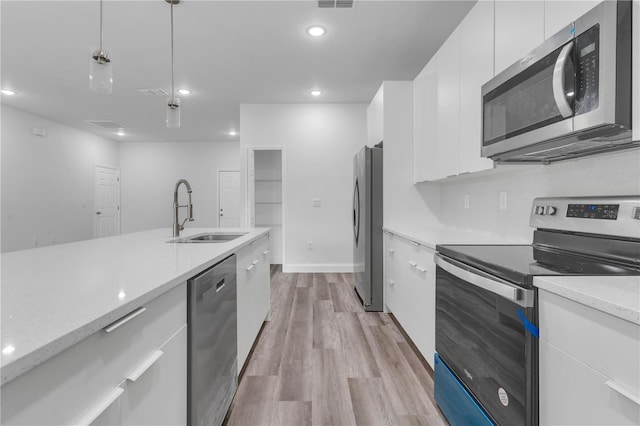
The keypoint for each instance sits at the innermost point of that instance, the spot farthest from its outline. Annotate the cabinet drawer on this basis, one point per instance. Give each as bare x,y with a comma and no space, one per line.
62,389
253,294
604,342
572,393
410,290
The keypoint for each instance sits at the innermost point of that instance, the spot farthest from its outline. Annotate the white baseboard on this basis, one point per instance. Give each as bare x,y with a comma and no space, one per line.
341,267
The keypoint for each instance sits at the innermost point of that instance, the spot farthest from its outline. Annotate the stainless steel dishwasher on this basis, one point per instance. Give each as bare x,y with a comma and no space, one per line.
212,338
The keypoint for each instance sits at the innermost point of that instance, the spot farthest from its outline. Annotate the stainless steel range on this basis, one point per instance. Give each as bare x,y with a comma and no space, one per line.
486,369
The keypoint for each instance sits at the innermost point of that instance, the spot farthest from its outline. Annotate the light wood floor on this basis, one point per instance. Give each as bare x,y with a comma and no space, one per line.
322,360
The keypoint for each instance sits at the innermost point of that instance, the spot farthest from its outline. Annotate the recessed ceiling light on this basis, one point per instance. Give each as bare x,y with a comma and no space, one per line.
184,91
316,31
8,92
232,133
8,350
120,133
316,92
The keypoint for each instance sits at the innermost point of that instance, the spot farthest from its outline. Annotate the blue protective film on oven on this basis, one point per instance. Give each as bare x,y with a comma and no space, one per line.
457,404
528,325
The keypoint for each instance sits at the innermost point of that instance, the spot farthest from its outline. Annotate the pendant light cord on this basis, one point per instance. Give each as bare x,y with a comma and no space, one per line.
100,27
173,93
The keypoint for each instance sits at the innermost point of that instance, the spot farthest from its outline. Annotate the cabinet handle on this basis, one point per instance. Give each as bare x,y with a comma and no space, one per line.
255,262
392,283
412,263
420,268
125,319
624,391
146,364
90,416
415,243
250,267
391,251
266,252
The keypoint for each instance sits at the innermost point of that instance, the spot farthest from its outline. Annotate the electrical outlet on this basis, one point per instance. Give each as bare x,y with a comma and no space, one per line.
309,245
503,201
316,202
466,201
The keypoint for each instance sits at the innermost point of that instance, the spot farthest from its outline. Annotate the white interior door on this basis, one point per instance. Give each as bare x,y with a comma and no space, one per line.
229,199
106,201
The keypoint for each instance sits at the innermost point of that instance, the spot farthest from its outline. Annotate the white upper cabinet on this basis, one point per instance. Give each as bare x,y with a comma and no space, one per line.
519,28
425,162
635,108
448,106
476,68
559,13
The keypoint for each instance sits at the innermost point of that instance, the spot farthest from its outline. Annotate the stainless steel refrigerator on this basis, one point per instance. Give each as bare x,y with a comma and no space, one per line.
367,227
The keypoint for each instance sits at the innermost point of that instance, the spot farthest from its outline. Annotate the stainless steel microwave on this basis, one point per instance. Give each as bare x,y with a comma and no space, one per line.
569,97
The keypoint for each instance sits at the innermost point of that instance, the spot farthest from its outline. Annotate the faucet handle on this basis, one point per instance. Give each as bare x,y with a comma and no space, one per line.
190,212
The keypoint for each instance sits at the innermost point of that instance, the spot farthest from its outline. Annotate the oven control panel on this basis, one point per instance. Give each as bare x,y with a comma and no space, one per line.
593,211
615,216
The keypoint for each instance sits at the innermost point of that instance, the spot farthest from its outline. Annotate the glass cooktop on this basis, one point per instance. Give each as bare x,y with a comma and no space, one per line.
520,263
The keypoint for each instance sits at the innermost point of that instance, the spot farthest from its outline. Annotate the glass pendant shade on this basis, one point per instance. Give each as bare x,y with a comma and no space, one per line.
173,113
100,72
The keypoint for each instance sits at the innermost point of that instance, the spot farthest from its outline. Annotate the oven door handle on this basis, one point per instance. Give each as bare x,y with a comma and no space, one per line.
502,289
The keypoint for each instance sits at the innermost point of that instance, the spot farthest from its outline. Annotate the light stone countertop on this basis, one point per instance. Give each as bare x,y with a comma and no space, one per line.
618,296
430,237
53,297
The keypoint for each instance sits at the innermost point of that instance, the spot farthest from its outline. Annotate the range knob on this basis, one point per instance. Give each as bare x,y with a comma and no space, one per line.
539,210
550,210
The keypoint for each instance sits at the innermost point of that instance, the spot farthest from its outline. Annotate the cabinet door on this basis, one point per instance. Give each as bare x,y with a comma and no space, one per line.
159,395
476,68
635,84
448,104
560,13
519,28
425,162
253,294
572,393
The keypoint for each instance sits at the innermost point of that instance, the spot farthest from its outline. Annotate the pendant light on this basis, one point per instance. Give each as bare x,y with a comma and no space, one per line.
173,105
100,71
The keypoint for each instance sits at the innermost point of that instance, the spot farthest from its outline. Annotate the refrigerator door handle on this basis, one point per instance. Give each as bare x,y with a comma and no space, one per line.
356,211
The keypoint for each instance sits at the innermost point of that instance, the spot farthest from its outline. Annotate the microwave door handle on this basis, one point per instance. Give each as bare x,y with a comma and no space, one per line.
558,82
501,289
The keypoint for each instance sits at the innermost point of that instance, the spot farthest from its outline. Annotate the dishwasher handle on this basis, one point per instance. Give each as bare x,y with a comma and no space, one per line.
480,279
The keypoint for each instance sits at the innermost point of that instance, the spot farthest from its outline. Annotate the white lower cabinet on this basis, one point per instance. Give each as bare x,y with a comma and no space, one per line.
253,293
86,383
409,277
158,396
589,369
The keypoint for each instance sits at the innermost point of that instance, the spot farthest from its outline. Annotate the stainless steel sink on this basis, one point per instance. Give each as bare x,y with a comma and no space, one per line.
210,237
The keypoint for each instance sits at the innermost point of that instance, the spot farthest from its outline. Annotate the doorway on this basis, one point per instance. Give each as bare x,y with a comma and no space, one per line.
266,196
228,198
106,195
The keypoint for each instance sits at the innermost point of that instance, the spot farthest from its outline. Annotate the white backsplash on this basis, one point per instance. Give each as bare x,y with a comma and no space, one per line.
608,174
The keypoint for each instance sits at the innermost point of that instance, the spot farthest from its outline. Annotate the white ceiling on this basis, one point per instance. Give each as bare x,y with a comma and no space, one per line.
226,52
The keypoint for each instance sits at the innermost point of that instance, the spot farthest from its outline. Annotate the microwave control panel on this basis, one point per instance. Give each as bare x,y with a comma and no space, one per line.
587,70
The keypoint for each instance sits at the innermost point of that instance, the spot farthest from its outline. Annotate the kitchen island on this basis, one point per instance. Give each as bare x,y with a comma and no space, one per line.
57,298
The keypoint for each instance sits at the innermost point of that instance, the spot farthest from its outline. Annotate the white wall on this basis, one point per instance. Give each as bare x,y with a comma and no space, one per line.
408,208
150,170
47,182
320,141
608,174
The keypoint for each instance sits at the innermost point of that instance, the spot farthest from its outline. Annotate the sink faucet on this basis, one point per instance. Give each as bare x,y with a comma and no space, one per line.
177,227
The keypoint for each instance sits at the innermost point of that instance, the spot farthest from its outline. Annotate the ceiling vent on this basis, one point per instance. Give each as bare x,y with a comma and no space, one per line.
335,3
153,92
106,124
